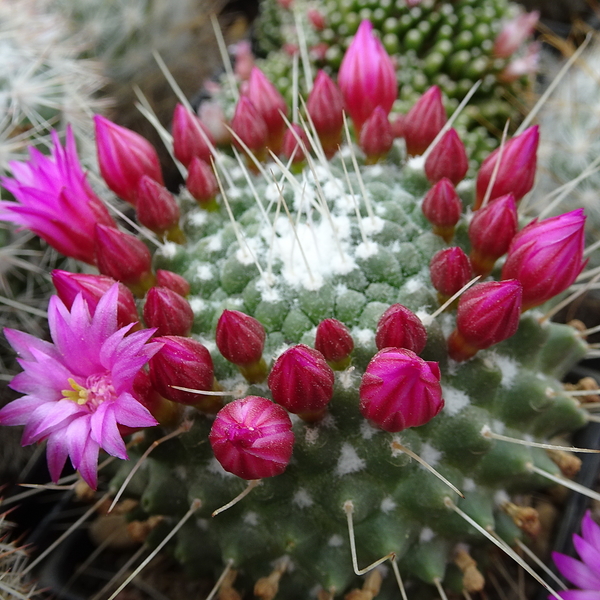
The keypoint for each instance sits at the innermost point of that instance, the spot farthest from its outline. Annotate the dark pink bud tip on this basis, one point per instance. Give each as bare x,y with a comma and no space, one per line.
424,121
376,136
334,341
177,283
240,338
487,314
442,208
547,256
169,312
450,270
400,328
155,206
252,438
249,126
201,182
124,156
190,137
447,159
400,390
301,380
183,362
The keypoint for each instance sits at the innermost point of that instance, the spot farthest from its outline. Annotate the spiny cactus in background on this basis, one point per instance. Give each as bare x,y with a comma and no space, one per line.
13,560
451,44
302,337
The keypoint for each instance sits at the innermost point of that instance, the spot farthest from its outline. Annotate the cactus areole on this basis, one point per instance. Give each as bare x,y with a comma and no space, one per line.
336,239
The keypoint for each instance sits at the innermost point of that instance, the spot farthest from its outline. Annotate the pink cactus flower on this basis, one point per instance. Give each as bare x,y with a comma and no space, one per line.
522,66
584,573
367,76
79,388
447,159
442,207
516,172
514,33
252,438
316,18
376,136
400,390
124,156
334,341
546,256
399,327
188,141
424,121
168,312
450,270
55,201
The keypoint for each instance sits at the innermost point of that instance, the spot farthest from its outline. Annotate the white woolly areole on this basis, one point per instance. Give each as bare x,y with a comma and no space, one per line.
333,190
372,225
215,242
454,399
363,337
349,461
387,505
426,535
509,369
197,304
268,292
251,518
413,284
214,466
311,435
198,218
335,541
430,454
416,163
365,250
501,497
168,249
302,499
469,485
204,272
367,431
498,426
347,377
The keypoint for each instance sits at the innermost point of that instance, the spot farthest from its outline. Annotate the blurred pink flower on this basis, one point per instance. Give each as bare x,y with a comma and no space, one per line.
514,33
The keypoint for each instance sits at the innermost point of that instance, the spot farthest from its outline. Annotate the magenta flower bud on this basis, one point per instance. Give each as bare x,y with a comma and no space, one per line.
367,76
447,159
124,156
174,282
450,270
270,105
398,126
168,312
491,231
335,343
291,146
399,327
514,33
240,339
316,18
424,121
325,105
376,136
183,362
92,288
547,256
124,258
487,313
517,169
302,382
188,141
400,390
202,184
157,209
442,208
250,127
523,66
252,438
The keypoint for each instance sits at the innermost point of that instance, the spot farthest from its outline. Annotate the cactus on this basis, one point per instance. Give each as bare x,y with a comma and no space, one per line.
13,559
281,262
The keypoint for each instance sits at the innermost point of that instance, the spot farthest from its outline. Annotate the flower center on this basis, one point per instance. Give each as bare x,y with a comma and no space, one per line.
98,388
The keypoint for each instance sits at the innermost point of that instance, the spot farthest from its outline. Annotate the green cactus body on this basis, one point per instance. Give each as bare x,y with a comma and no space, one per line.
350,257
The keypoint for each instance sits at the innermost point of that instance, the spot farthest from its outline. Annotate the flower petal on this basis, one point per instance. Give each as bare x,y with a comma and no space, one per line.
576,572
49,417
591,531
104,431
56,454
129,412
76,435
88,466
19,411
588,554
577,595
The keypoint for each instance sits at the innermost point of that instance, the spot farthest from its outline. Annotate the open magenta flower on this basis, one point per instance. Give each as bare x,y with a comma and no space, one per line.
55,201
79,389
584,573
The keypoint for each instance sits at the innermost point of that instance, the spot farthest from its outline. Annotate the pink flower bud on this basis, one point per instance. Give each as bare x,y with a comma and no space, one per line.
202,184
367,76
183,362
250,127
269,104
157,209
316,18
244,60
124,258
487,313
124,156
291,147
447,159
240,338
400,390
491,231
442,208
325,105
93,287
424,121
450,271
174,282
252,438
302,381
376,136
169,312
522,66
547,256
514,33
399,327
517,169
335,343
188,141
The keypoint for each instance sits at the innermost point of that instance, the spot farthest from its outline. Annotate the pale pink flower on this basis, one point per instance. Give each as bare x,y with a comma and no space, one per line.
514,33
79,389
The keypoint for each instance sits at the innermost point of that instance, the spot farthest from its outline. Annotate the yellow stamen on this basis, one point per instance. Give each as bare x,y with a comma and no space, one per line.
77,394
